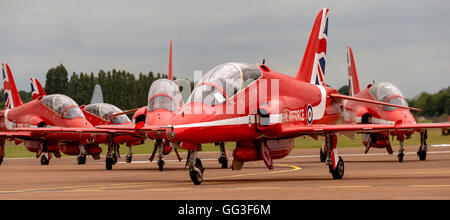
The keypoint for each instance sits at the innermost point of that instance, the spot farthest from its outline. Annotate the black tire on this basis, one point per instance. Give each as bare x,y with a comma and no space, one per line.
400,157
422,155
224,162
338,173
81,159
44,160
323,156
161,165
114,159
197,174
129,159
109,163
1,160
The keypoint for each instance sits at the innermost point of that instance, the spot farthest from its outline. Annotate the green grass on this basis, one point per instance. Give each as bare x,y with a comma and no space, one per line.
434,137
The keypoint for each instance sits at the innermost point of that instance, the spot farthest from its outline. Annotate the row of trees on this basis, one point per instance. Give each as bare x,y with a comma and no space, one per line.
128,91
120,88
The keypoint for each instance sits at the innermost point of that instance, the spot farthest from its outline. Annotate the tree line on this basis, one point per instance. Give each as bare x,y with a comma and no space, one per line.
128,91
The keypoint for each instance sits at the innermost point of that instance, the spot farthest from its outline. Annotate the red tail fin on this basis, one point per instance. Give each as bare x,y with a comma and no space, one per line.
312,69
12,98
170,62
36,89
353,82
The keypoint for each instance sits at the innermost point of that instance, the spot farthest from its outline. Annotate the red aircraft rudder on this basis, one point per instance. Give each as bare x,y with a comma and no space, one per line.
12,98
170,62
312,68
36,89
353,82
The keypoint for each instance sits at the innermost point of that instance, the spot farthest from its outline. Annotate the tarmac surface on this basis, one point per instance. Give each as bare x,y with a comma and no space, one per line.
299,176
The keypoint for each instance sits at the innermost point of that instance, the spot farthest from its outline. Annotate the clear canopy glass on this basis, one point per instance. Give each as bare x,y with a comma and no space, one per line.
387,92
164,94
63,105
103,110
223,82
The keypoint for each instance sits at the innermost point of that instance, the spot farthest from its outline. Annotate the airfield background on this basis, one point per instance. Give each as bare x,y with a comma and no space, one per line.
128,91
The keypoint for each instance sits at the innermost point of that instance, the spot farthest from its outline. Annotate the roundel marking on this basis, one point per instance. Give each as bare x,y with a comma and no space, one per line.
309,114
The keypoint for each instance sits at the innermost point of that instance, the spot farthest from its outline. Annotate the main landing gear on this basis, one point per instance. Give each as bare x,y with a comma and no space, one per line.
113,152
45,158
333,160
422,153
223,159
81,158
423,148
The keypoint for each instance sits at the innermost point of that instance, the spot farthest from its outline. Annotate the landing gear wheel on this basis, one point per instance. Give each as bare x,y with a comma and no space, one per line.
161,165
44,160
400,157
196,172
129,158
1,160
114,159
338,173
81,159
224,162
422,155
323,156
109,163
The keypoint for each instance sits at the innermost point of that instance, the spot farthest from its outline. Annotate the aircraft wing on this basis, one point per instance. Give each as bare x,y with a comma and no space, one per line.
61,130
294,130
340,96
152,132
18,134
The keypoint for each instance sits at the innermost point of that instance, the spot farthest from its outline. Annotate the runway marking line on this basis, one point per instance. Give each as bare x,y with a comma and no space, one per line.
294,168
129,186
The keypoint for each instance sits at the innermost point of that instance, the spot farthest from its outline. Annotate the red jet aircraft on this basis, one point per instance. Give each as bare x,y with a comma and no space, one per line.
101,114
44,112
263,111
367,113
164,99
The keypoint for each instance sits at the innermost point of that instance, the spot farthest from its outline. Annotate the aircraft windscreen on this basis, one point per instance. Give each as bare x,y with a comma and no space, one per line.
223,82
63,105
103,110
164,94
387,92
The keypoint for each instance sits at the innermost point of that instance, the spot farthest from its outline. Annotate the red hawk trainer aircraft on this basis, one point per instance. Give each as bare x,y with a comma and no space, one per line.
44,113
367,113
164,99
100,114
263,111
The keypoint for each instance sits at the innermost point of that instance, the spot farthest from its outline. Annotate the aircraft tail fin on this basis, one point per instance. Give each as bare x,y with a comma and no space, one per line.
353,82
36,89
12,98
170,62
312,68
97,95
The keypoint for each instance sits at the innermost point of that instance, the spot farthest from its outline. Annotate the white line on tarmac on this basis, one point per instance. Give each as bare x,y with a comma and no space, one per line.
309,156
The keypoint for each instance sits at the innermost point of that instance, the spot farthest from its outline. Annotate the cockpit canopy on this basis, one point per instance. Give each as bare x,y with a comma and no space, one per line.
164,94
387,92
63,105
223,82
103,110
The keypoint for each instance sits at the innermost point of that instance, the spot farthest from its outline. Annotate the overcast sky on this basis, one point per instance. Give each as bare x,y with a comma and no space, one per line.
404,42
